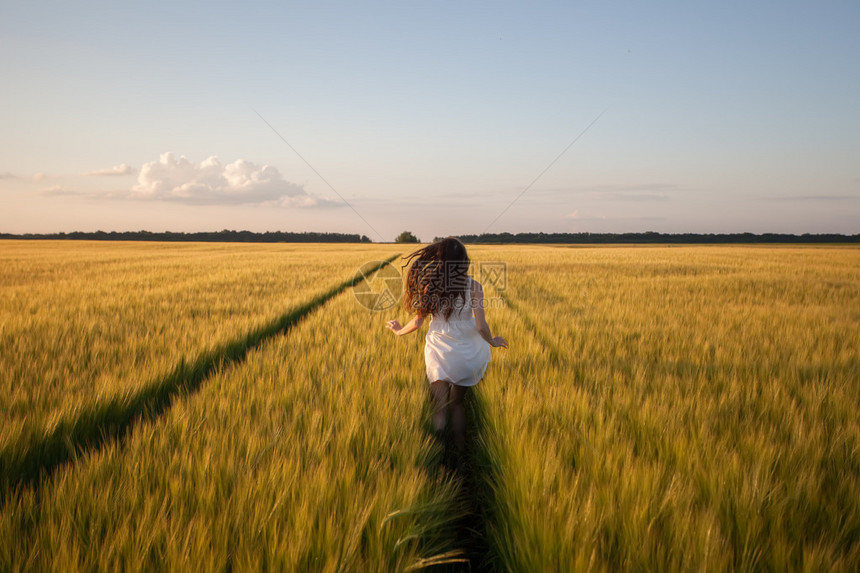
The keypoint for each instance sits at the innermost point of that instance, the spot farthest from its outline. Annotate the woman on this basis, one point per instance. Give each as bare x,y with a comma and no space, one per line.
457,345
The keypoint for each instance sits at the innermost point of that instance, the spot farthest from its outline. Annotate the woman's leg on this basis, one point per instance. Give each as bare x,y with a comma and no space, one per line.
458,416
439,390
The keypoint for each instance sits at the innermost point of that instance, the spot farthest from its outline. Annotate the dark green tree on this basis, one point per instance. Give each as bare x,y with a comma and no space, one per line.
406,237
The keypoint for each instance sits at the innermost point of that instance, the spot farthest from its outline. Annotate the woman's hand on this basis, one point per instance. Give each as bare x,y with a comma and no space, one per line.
411,326
499,341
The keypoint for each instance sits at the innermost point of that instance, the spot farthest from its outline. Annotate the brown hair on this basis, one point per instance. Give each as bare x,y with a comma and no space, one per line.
437,278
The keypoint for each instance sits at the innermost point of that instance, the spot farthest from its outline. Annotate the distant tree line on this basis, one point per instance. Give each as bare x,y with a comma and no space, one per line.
227,236
224,236
653,237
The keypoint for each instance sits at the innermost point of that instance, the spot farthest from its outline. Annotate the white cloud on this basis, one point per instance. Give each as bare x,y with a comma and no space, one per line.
57,190
814,198
305,201
617,192
121,169
39,177
7,175
633,192
213,183
576,215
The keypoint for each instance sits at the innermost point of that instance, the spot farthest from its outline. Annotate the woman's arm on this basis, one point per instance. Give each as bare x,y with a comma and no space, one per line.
410,326
480,320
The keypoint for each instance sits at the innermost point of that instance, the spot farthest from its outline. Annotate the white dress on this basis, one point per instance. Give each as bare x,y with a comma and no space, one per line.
454,350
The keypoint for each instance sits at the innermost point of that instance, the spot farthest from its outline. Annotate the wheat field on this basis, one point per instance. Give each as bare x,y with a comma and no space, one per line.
222,406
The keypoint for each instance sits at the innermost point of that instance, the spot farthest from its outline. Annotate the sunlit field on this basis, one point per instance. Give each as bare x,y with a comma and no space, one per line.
677,408
225,406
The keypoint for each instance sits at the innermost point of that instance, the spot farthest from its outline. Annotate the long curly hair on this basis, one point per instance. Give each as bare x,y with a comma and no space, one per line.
437,278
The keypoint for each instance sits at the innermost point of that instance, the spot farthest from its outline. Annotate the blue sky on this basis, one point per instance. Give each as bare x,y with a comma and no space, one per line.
430,116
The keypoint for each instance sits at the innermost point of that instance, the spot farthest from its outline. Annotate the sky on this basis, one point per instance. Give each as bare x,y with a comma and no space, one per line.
441,118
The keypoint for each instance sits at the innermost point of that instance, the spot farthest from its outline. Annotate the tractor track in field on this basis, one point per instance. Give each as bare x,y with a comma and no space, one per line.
557,357
555,352
29,465
480,476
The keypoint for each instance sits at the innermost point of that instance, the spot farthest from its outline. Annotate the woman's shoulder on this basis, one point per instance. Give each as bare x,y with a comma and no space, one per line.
475,286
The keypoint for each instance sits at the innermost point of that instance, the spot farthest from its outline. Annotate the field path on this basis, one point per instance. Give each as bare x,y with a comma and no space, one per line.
30,463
